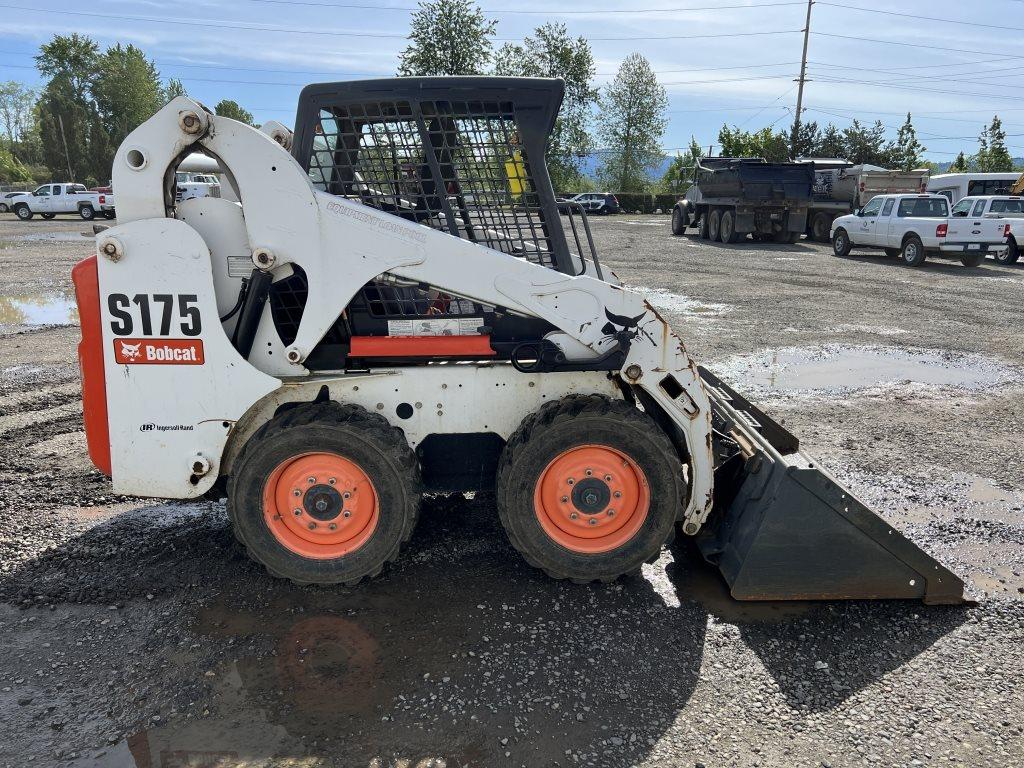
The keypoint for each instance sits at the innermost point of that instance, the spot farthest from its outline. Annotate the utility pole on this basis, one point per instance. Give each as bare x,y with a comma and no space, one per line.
801,80
67,155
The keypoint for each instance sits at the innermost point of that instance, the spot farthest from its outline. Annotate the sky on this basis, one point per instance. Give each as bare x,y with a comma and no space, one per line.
951,64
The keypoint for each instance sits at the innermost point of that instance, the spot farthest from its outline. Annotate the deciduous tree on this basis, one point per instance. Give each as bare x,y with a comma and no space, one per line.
447,37
228,108
630,126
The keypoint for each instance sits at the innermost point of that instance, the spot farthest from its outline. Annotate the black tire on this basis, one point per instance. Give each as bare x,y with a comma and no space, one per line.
912,253
47,216
715,225
109,214
87,212
972,259
679,222
582,421
727,228
704,233
892,251
1010,255
3,207
23,212
841,245
820,225
785,236
348,431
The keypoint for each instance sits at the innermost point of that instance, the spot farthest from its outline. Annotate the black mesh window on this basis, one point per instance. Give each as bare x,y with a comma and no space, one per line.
456,166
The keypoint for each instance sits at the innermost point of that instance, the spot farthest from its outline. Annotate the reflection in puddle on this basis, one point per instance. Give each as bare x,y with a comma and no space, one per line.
51,237
38,309
837,367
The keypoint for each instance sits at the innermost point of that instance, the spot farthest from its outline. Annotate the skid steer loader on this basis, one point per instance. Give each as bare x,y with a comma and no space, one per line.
396,307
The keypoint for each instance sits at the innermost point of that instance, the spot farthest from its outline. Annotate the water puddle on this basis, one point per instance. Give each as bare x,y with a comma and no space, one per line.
850,368
38,309
677,303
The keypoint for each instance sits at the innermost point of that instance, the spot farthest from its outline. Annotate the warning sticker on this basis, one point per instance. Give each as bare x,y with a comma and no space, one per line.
436,326
239,266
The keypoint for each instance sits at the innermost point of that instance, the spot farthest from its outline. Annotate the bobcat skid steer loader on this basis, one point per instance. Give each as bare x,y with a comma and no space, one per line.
397,306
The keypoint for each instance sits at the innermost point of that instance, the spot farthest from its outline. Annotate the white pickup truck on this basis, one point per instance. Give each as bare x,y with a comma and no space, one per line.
1009,208
914,227
50,200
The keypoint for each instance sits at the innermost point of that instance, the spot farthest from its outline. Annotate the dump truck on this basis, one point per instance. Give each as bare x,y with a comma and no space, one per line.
396,307
731,198
841,188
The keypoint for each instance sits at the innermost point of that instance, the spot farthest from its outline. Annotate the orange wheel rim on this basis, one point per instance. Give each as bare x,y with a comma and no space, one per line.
592,499
320,505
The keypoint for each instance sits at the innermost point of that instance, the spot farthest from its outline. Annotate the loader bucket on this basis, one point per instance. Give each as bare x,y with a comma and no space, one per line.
784,529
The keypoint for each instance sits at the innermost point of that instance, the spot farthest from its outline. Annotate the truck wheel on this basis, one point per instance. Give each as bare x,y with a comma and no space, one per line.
728,227
704,231
841,245
109,214
87,212
892,251
820,225
912,252
324,494
715,225
679,222
3,207
589,489
972,260
783,236
23,212
47,216
1010,255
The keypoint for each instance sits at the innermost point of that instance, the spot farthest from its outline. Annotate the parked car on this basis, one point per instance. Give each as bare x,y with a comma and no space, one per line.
914,227
957,186
841,188
50,200
592,202
5,201
1010,208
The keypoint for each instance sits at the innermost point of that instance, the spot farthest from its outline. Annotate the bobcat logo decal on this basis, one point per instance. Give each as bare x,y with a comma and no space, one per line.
130,351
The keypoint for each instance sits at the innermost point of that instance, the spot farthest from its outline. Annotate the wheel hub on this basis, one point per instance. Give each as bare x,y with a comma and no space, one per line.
322,502
592,499
320,505
591,495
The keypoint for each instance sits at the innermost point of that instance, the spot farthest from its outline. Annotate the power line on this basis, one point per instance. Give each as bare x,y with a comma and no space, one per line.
918,17
910,45
340,33
544,12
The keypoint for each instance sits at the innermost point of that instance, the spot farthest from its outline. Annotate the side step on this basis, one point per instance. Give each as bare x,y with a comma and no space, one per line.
784,529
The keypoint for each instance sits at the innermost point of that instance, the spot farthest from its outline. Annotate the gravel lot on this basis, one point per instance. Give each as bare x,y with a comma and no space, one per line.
136,634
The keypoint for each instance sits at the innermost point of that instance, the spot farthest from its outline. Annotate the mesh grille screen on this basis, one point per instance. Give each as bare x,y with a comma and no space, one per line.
455,166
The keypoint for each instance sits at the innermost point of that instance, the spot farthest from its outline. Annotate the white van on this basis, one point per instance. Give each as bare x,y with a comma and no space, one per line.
957,186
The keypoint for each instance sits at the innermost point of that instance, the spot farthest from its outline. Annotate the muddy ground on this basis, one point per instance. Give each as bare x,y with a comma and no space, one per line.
135,633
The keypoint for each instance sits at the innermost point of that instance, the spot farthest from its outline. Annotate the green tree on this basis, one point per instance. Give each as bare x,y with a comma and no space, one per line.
447,37
630,126
773,146
960,165
228,108
551,52
174,89
68,117
867,145
17,105
993,157
128,92
907,154
831,144
807,140
12,171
